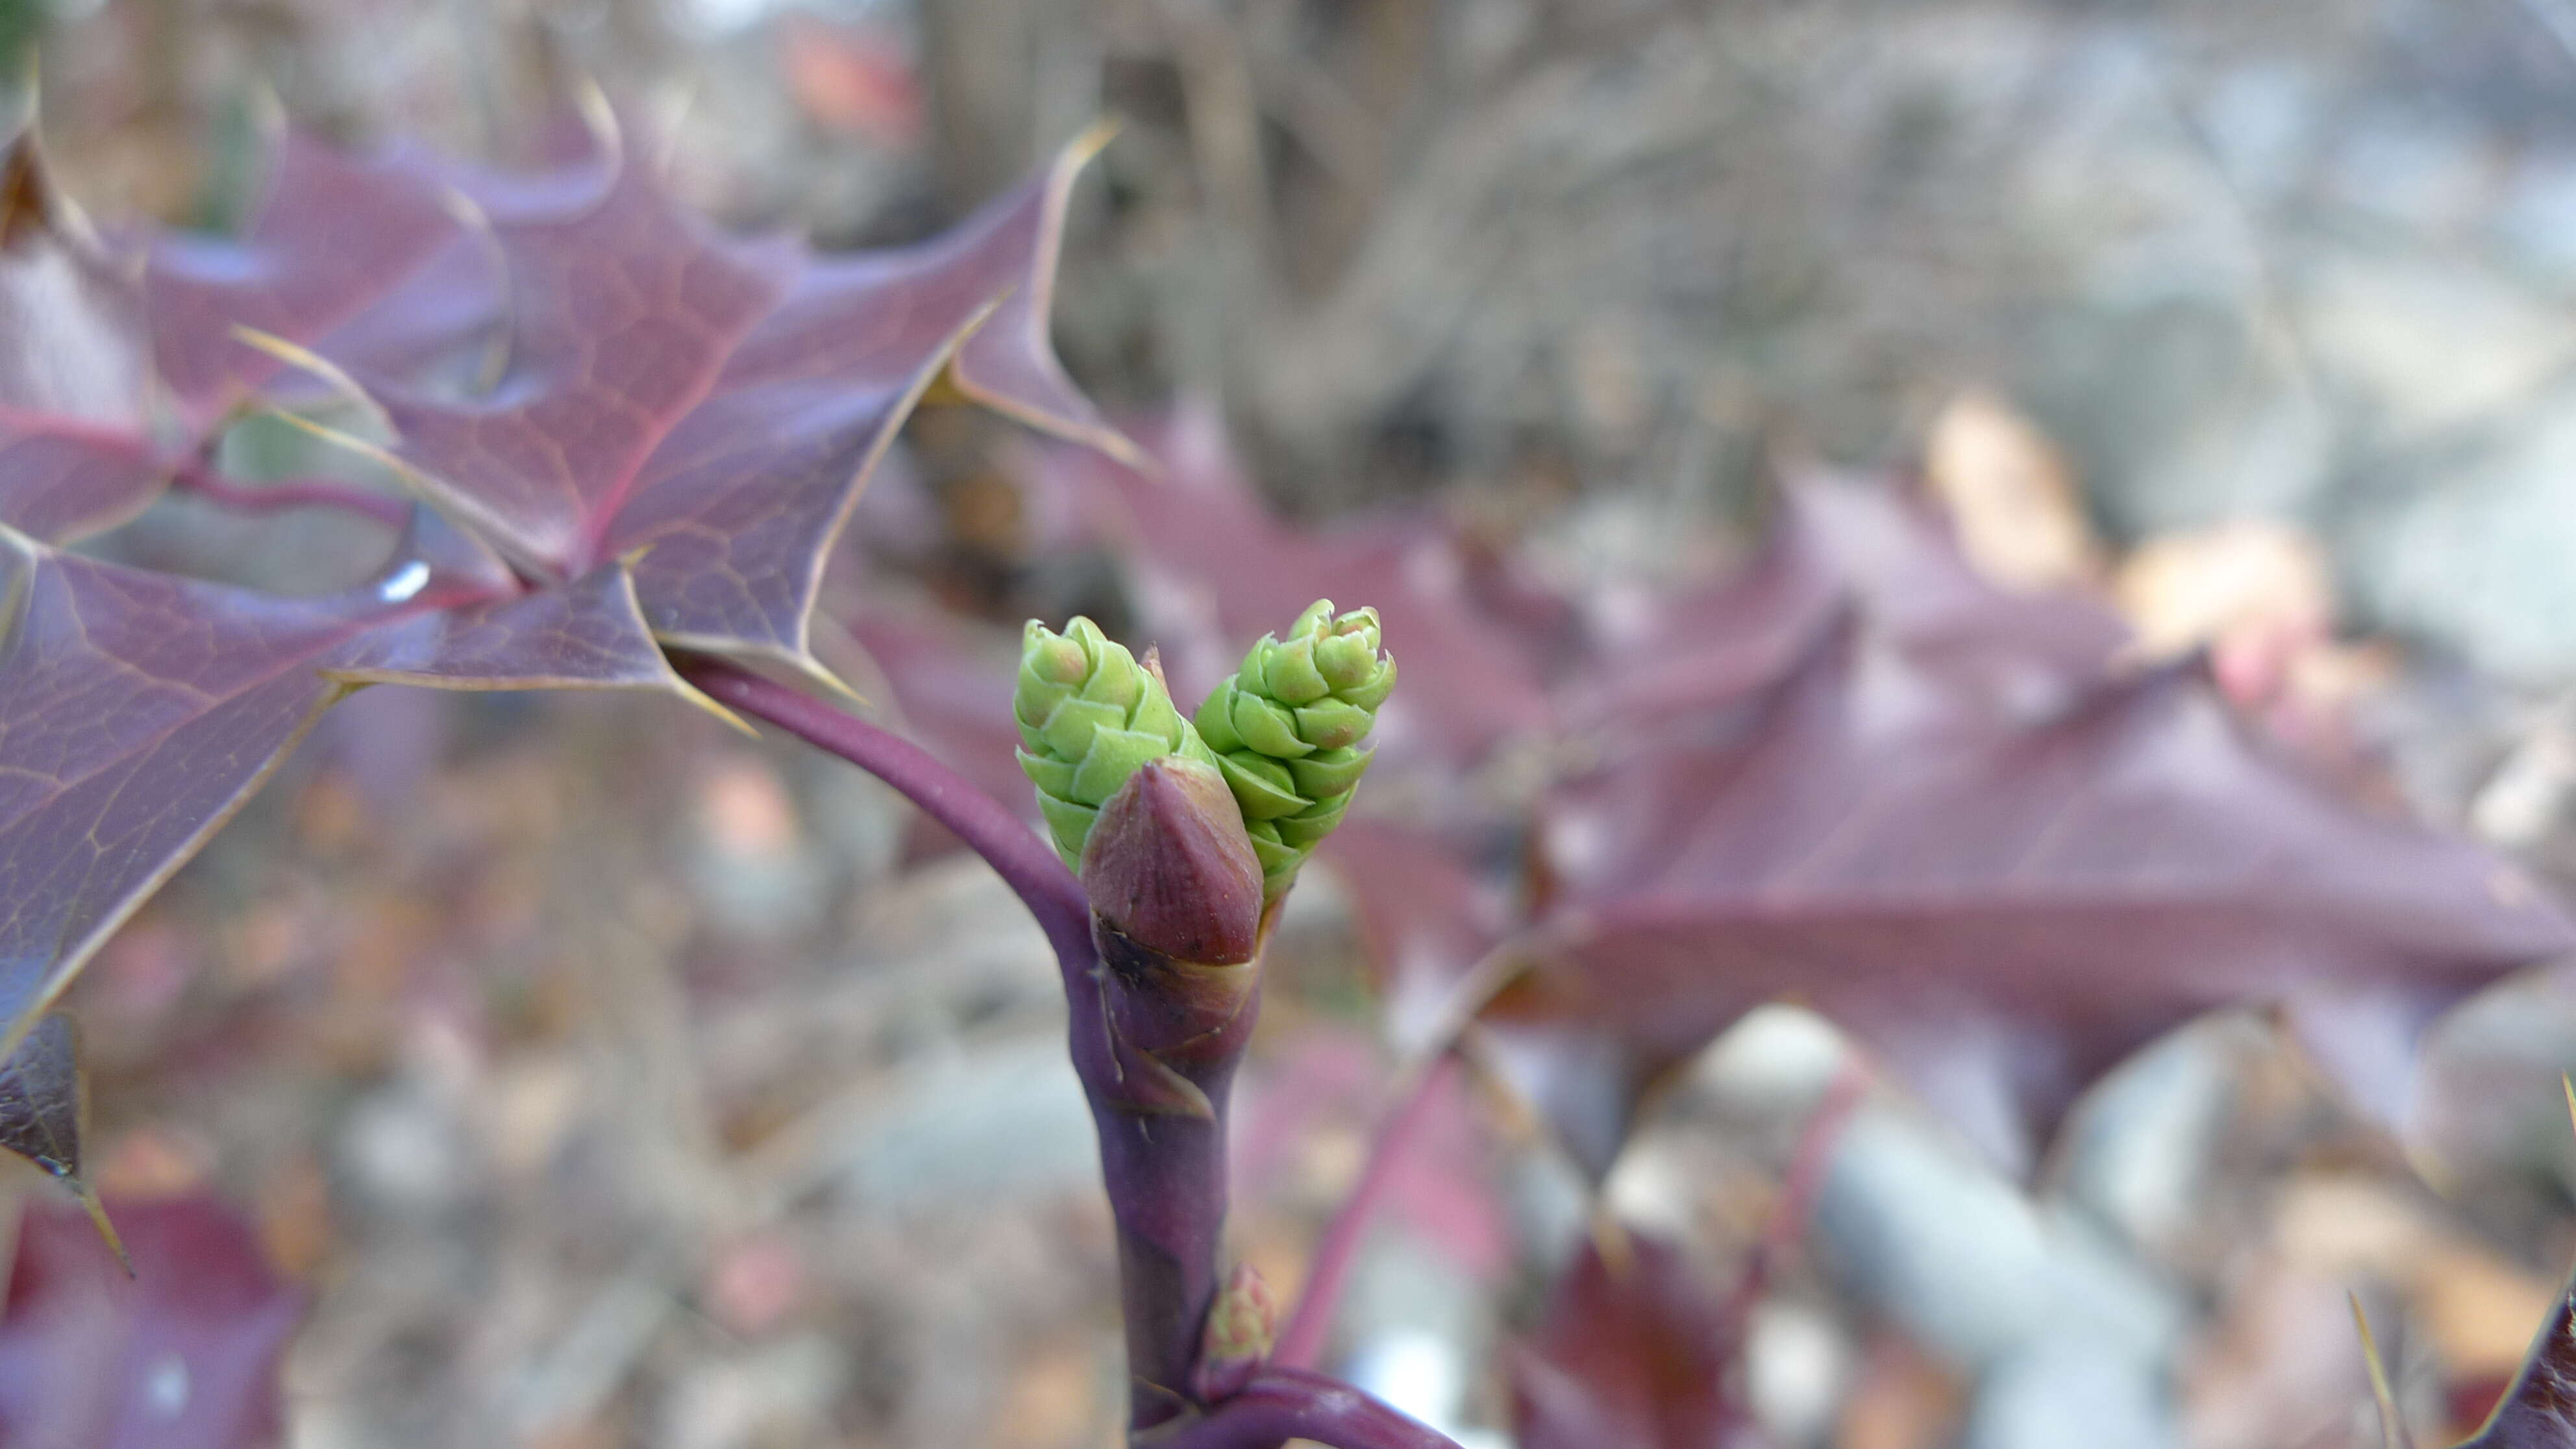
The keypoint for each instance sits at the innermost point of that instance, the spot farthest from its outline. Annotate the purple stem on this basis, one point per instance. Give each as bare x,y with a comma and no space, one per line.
1799,1188
1027,864
1166,1174
206,483
1301,1341
1287,1403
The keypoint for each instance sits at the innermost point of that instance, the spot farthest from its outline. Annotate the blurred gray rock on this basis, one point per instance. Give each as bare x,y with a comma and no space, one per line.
990,1123
1970,1263
2026,1296
2052,1395
2136,1153
2476,552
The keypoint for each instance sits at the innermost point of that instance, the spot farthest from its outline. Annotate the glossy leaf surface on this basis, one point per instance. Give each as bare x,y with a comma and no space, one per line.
710,407
333,236
139,710
681,429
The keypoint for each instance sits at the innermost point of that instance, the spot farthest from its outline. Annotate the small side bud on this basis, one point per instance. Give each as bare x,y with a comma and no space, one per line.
1241,1326
1169,865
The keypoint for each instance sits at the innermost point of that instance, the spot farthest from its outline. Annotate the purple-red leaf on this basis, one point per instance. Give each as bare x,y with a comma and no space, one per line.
183,1355
107,383
683,425
40,1100
139,710
879,314
622,314
1427,914
1712,646
333,236
43,1112
1955,830
710,407
1632,1354
1954,820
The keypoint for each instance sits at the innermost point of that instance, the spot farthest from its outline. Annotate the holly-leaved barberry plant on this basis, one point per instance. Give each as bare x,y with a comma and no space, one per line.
630,441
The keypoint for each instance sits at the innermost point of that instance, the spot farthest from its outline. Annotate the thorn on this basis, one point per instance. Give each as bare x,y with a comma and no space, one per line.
2392,1429
707,702
1618,1251
803,665
679,102
268,114
403,472
31,87
1087,144
599,116
813,671
307,360
98,1219
477,223
1123,449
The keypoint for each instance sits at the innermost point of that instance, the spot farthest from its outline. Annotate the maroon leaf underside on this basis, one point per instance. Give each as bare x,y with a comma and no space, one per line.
1952,819
183,1355
1713,646
139,710
1426,912
1428,916
711,408
1633,1354
1956,832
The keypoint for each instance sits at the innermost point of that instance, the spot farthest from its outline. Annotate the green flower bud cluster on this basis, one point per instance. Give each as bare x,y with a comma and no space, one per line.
1089,716
1286,729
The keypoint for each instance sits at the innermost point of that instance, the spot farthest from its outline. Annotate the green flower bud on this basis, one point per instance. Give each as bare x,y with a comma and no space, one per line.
1286,729
1090,715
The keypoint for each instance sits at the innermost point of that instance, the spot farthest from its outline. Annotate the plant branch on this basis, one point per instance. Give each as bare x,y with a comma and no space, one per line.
1024,862
1799,1189
1288,1403
1165,1173
198,478
1301,1340
1162,1158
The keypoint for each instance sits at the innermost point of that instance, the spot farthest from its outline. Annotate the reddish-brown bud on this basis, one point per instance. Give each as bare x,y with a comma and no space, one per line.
1170,866
1241,1325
